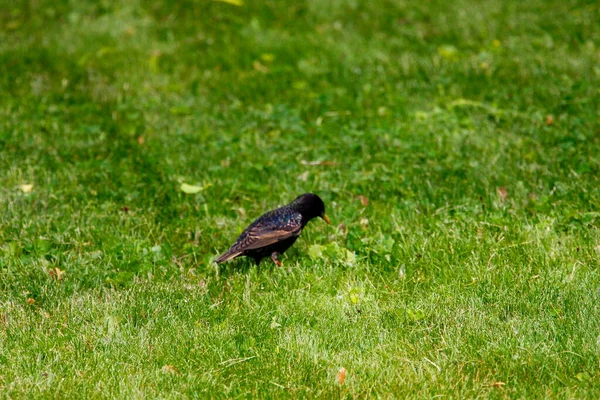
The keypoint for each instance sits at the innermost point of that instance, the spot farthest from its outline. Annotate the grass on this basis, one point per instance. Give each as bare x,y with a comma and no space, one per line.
471,128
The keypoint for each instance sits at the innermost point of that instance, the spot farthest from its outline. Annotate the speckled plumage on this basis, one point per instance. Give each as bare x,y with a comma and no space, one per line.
275,231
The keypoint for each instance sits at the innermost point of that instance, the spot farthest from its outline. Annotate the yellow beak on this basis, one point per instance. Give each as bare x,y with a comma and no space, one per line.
326,218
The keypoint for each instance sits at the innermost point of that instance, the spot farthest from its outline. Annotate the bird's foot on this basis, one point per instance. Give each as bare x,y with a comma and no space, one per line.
275,260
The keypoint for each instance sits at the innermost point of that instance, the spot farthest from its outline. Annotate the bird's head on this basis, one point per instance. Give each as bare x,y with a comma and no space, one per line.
310,206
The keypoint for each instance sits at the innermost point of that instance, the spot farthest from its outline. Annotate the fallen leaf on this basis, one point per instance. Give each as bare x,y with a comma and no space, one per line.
27,188
192,189
30,301
56,273
498,384
341,376
259,67
363,200
342,228
274,323
125,209
153,60
238,3
402,272
582,377
480,233
140,140
169,369
448,51
267,57
348,257
337,113
303,176
316,251
313,163
502,193
549,120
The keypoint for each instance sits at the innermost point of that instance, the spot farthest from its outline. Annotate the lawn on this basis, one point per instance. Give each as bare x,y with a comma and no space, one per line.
456,146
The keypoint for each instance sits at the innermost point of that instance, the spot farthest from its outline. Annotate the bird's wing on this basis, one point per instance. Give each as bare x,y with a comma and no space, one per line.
264,232
269,232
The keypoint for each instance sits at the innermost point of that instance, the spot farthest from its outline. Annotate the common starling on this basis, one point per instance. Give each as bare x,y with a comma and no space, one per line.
274,232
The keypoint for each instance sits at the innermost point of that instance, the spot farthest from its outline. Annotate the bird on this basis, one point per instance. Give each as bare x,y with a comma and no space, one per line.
275,231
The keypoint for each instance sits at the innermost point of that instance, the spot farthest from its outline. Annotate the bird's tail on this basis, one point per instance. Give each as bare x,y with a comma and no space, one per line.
228,255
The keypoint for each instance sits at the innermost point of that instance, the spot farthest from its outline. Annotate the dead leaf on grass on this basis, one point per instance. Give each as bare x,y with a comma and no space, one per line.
26,188
363,200
260,67
502,193
364,223
341,376
56,273
303,176
169,369
316,162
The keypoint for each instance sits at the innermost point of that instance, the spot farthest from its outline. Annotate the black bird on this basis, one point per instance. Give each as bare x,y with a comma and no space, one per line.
274,232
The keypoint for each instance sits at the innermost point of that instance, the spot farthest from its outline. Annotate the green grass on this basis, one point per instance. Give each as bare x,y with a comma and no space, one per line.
443,285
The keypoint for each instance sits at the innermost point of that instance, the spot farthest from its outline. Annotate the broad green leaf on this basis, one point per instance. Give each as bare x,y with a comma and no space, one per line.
192,189
349,257
449,52
316,251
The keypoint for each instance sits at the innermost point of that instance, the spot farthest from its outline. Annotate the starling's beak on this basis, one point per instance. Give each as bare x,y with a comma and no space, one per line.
326,218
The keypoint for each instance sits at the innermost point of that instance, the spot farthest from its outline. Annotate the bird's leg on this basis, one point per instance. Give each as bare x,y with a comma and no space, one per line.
274,256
